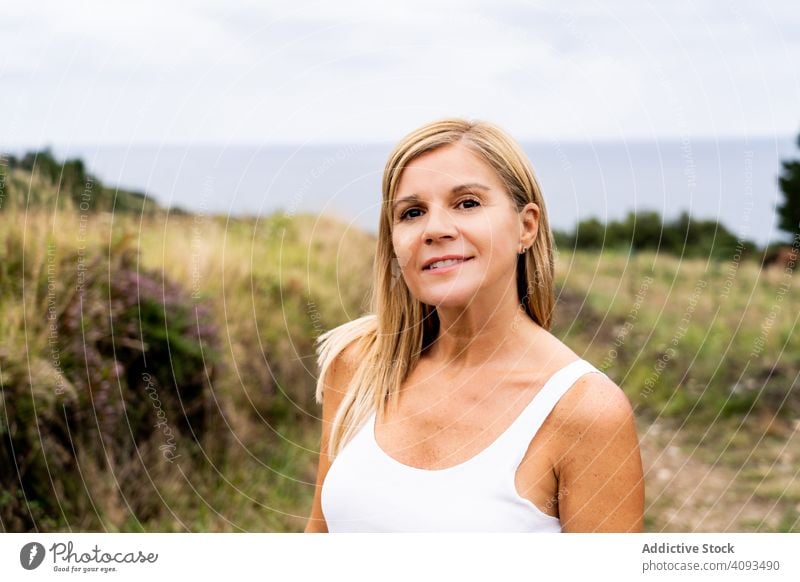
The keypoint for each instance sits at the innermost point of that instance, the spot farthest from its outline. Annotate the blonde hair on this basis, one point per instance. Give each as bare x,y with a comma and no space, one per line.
392,338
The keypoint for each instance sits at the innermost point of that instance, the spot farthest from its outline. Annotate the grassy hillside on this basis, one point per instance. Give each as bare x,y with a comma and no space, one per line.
157,372
708,353
141,318
38,181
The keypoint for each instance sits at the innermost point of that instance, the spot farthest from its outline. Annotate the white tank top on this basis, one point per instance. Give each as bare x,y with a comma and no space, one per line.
366,490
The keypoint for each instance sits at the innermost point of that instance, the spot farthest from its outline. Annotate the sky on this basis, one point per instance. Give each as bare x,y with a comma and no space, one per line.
101,72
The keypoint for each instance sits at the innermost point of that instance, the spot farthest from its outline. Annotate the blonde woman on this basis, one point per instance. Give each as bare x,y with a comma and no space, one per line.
451,407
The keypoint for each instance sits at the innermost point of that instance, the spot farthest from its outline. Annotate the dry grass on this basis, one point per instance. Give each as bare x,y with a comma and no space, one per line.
715,420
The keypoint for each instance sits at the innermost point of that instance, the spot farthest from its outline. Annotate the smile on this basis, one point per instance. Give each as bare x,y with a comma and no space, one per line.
446,266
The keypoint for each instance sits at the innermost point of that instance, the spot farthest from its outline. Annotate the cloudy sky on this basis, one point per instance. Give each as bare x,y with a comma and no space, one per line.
103,72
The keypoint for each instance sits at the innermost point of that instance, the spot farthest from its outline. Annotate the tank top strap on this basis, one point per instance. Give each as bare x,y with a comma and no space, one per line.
515,442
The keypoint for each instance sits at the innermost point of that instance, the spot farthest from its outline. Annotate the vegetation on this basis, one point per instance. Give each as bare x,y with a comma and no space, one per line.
157,372
204,323
645,231
105,371
789,211
38,180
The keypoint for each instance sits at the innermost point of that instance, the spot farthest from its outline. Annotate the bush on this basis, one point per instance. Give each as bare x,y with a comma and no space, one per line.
119,388
645,230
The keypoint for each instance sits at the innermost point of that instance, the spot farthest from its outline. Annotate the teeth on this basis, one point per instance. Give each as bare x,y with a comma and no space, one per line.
445,263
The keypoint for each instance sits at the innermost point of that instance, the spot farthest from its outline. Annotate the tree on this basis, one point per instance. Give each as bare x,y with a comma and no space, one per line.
590,234
645,228
789,212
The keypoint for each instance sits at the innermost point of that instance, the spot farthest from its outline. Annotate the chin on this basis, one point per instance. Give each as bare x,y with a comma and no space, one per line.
448,300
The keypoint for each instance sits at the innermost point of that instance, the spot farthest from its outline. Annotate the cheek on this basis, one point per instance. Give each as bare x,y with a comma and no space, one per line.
497,250
493,241
402,250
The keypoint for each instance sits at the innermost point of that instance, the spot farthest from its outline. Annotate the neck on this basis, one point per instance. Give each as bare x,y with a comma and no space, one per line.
486,331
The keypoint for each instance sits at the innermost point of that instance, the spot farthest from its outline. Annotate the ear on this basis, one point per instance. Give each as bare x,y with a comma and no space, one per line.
529,224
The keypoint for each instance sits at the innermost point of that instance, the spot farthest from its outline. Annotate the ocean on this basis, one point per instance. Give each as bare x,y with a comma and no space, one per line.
733,180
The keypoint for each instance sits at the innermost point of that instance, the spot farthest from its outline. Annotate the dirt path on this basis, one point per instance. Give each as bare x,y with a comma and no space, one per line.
687,494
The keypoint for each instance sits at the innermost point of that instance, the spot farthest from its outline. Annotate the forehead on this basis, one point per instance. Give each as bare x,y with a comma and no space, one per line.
446,166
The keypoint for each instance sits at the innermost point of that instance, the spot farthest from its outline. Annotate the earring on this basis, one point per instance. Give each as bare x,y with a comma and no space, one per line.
523,250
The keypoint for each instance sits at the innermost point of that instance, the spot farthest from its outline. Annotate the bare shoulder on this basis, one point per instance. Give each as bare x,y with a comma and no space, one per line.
343,367
594,404
599,462
347,360
594,420
594,400
596,397
337,379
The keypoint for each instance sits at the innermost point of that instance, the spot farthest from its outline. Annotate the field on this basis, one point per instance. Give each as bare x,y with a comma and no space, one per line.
103,315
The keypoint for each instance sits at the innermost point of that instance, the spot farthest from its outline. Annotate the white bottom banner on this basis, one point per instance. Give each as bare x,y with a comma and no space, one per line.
400,557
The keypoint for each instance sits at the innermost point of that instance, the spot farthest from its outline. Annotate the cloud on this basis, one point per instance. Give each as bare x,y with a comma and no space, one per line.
99,72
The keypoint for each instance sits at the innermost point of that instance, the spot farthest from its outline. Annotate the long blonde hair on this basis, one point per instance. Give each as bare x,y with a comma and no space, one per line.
400,327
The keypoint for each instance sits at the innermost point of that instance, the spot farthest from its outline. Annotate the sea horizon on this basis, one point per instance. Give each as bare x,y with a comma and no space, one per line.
729,179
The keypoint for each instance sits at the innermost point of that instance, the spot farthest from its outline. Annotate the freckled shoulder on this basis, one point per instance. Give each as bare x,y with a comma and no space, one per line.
594,405
599,460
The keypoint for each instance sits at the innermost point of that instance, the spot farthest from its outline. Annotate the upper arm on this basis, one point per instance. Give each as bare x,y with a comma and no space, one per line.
337,378
601,483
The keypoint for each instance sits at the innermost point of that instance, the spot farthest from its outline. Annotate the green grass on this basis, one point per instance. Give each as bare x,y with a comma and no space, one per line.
275,283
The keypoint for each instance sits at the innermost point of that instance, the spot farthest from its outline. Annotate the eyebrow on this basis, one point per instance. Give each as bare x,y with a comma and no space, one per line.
454,190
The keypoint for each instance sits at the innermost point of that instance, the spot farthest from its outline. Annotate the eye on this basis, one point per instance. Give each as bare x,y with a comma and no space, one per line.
404,214
470,200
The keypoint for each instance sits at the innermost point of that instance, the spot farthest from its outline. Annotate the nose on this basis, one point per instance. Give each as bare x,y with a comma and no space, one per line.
438,224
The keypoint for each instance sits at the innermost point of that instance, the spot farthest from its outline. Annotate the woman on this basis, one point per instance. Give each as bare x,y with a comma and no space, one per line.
452,407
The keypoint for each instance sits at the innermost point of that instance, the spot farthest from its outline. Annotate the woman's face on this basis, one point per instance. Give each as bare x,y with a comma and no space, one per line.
451,202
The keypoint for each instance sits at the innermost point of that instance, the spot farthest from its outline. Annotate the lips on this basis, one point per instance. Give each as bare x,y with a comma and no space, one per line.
461,260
